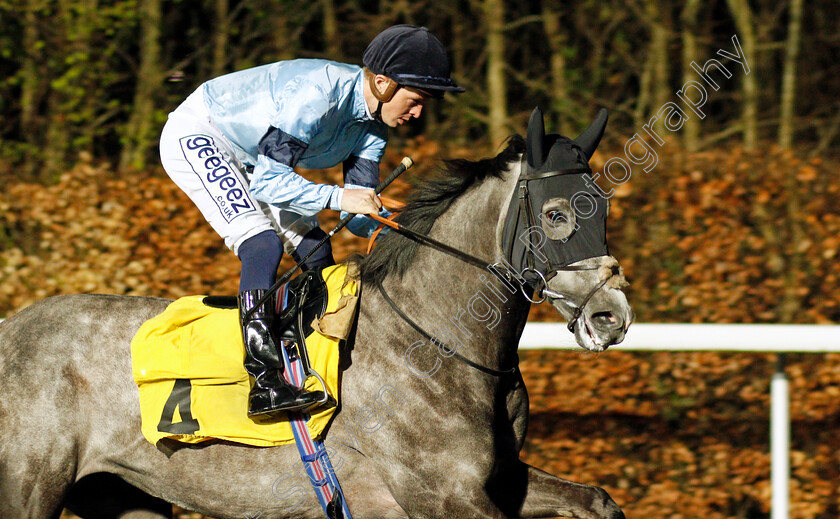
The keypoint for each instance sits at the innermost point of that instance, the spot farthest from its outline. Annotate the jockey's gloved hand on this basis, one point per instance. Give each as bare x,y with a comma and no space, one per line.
363,226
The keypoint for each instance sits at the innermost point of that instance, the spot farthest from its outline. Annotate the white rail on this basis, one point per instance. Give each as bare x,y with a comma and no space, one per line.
756,338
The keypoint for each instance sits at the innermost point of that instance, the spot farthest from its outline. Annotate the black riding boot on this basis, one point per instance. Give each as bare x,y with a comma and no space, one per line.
270,392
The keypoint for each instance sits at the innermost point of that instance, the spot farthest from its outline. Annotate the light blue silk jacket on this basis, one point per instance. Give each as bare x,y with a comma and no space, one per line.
308,113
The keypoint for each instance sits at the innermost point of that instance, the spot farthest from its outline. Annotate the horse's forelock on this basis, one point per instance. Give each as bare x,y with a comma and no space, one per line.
394,253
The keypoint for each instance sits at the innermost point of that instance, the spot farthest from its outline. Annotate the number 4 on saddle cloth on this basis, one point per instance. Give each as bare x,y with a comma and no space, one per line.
188,362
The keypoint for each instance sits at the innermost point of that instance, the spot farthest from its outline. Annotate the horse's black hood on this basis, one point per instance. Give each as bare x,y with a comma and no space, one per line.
545,156
556,216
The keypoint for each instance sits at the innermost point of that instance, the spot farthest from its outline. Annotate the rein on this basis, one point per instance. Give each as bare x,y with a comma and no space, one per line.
431,242
452,251
475,261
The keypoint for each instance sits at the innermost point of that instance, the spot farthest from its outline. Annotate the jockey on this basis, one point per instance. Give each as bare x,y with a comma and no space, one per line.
232,146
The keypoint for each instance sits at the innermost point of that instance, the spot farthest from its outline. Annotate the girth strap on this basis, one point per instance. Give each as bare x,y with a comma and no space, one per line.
424,333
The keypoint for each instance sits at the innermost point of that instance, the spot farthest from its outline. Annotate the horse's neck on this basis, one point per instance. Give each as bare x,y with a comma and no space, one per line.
457,297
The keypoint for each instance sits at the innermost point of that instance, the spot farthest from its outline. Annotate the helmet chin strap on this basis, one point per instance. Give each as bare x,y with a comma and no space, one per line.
377,114
382,97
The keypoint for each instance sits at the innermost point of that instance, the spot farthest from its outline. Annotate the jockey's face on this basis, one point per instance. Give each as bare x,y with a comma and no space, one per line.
407,103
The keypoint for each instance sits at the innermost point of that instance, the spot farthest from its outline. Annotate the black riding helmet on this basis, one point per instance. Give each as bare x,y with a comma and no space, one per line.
410,56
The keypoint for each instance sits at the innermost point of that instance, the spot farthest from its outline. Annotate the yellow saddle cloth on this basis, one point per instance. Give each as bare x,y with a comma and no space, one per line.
188,365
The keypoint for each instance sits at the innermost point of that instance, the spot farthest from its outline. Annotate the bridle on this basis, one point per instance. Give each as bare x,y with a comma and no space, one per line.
499,269
524,211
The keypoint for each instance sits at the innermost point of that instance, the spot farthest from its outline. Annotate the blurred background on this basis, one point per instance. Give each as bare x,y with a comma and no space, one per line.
737,222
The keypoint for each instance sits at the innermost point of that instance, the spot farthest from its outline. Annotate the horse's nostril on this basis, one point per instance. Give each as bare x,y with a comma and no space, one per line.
606,319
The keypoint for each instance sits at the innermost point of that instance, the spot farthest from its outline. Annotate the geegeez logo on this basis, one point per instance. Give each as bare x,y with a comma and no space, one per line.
220,180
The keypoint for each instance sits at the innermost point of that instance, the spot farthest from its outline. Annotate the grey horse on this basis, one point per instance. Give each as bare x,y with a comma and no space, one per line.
426,429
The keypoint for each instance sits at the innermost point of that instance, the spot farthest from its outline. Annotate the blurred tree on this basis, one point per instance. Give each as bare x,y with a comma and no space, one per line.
690,52
494,23
85,111
742,14
786,125
643,103
61,76
31,82
657,18
654,86
660,19
331,33
221,37
556,38
141,131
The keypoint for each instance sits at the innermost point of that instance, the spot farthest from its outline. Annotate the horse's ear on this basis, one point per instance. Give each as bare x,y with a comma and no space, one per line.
589,139
535,141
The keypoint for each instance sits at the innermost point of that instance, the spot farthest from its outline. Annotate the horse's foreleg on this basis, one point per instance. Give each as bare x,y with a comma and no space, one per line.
525,491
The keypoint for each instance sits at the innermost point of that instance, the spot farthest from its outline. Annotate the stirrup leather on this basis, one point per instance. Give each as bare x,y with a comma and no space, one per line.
294,327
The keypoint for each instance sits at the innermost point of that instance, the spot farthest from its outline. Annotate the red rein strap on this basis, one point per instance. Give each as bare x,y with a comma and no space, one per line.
394,206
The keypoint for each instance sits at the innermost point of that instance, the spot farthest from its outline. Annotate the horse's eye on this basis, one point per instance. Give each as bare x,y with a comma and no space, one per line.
556,217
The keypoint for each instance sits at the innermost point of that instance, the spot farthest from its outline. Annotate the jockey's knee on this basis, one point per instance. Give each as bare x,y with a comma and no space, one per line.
322,257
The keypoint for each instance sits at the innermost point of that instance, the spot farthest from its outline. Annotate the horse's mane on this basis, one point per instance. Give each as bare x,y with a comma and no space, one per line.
395,253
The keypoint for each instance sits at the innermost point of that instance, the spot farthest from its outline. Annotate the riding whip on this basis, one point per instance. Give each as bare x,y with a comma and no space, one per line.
404,164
